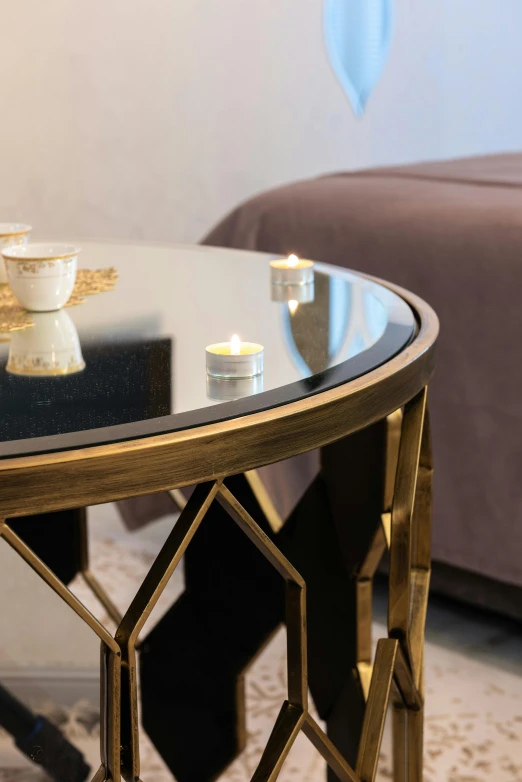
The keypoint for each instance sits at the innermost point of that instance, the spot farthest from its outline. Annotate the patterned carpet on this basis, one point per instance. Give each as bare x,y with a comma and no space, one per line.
473,676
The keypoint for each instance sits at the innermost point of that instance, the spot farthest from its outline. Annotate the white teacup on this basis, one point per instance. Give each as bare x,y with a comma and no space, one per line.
12,234
51,347
41,276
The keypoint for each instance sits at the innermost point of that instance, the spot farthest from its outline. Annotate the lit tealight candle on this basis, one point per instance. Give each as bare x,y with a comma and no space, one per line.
235,359
291,271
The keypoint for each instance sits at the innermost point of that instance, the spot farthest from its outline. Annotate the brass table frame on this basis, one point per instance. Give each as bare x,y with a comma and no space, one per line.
206,456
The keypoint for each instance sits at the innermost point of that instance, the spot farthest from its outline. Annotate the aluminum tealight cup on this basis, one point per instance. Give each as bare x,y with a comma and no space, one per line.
248,362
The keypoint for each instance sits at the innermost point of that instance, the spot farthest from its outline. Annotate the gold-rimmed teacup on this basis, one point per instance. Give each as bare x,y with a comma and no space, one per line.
42,276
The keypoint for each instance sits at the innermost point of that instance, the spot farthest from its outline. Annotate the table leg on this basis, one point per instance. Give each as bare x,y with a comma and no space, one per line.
410,563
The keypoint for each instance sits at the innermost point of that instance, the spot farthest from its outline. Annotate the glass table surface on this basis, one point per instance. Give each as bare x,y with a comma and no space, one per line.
144,343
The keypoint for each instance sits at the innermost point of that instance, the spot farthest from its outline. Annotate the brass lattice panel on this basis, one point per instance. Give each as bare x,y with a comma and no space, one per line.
397,670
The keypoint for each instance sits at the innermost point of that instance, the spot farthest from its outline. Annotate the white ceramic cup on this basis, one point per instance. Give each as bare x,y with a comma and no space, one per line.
49,348
12,234
41,276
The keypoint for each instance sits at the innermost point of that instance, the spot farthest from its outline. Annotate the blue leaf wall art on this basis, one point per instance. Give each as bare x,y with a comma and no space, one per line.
358,36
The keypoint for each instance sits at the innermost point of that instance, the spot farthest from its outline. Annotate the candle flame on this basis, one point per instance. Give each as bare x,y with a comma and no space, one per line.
292,306
235,345
293,260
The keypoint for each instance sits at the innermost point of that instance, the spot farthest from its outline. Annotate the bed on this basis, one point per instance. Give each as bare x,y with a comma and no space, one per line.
451,232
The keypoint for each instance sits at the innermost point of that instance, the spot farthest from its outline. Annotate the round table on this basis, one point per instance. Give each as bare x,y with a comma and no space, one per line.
348,355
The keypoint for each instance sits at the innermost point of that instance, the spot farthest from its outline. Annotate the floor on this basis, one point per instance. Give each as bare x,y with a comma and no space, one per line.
473,683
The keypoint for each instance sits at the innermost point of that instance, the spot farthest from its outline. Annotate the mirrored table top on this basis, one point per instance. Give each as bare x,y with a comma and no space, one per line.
143,345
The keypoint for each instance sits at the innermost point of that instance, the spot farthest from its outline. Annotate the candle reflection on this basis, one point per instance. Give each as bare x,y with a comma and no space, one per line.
292,294
220,389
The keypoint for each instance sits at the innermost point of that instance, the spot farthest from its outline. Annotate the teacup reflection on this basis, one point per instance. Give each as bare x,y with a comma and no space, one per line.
228,389
48,349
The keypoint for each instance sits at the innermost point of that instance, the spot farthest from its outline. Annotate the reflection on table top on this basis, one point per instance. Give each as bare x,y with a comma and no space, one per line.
144,343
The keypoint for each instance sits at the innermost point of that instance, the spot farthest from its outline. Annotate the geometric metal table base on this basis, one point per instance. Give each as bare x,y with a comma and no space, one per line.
396,672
